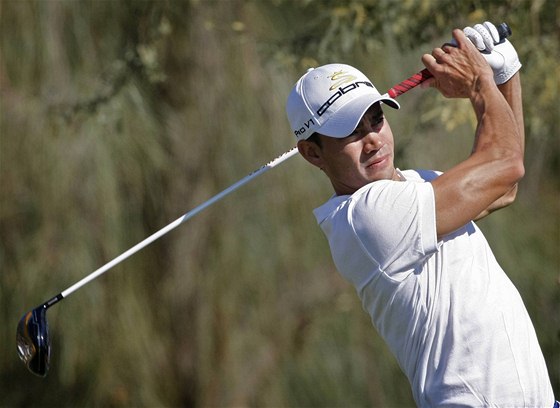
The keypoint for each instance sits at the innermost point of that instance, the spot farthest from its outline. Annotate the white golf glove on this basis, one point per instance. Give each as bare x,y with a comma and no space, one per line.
500,55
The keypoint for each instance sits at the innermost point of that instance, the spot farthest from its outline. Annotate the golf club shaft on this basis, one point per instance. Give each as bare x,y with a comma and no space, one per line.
395,91
176,223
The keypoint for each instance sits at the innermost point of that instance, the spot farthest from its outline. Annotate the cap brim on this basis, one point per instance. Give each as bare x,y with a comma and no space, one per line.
346,119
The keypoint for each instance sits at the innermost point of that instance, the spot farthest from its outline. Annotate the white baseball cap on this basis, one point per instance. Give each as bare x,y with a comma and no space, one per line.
331,100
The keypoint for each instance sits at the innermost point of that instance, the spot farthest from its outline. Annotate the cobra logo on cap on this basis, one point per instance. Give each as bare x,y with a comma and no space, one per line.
342,90
341,78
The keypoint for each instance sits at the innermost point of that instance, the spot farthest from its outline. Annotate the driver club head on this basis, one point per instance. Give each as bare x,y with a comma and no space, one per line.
33,343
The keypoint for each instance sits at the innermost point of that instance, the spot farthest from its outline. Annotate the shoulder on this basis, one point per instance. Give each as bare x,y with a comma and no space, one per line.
383,196
421,175
395,222
392,197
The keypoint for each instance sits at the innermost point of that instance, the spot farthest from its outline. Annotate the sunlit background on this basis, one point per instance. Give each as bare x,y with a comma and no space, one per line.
119,116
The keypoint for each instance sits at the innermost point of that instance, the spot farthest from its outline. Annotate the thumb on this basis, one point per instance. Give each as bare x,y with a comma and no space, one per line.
495,60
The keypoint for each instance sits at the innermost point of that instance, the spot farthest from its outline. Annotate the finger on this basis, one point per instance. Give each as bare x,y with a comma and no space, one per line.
474,37
493,31
439,54
429,62
458,37
486,36
462,40
428,59
448,47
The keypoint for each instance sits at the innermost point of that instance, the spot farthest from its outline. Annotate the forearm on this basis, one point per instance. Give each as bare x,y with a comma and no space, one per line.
498,129
471,188
511,90
500,203
487,180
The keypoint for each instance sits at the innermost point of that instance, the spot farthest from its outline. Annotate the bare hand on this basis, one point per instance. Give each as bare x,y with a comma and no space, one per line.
459,71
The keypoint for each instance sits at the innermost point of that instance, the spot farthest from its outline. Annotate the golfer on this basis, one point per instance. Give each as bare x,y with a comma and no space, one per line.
406,239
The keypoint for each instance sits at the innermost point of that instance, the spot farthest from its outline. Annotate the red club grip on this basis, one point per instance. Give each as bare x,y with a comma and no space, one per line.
409,83
503,30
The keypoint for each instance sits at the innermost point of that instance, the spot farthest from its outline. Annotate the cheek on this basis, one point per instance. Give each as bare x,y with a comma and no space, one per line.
341,163
388,134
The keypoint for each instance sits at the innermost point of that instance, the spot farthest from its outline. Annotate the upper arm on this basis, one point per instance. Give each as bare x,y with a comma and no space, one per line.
487,180
471,188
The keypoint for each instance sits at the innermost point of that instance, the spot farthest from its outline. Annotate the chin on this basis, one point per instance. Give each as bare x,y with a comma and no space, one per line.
384,174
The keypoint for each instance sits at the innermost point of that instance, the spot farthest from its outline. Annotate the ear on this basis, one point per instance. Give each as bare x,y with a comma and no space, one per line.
311,152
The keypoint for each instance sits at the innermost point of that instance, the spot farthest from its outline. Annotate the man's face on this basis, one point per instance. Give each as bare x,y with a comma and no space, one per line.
364,156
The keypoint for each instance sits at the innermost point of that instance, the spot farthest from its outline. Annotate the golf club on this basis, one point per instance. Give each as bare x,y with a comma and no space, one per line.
32,336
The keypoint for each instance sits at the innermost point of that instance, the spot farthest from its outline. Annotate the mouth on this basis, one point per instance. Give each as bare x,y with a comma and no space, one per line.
378,162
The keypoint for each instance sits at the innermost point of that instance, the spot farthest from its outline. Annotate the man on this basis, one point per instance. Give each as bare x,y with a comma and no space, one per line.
407,240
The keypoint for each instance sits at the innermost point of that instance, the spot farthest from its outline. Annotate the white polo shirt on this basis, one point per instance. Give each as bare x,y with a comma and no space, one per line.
448,312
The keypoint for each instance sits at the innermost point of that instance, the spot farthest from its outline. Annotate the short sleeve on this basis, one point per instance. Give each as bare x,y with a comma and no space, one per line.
395,222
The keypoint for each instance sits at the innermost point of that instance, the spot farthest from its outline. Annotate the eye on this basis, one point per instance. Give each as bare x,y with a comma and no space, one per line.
355,132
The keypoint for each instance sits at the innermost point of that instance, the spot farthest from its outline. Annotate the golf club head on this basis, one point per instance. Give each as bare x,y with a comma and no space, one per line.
33,343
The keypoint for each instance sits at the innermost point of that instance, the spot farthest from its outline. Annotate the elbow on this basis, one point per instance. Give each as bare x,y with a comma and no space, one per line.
515,173
507,162
518,169
510,196
511,171
514,169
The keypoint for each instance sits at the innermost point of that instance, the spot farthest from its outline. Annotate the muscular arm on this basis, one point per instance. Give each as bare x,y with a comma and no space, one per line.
511,90
496,164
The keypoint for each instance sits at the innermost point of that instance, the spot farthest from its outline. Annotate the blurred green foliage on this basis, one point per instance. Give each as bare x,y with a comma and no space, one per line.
118,116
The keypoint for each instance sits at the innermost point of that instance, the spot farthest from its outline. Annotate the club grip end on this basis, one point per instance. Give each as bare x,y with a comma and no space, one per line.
504,31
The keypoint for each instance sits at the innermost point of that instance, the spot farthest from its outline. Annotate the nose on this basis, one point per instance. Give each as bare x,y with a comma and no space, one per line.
372,142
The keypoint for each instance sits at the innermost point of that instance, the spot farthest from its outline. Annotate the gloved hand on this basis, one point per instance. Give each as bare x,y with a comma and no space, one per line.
500,55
